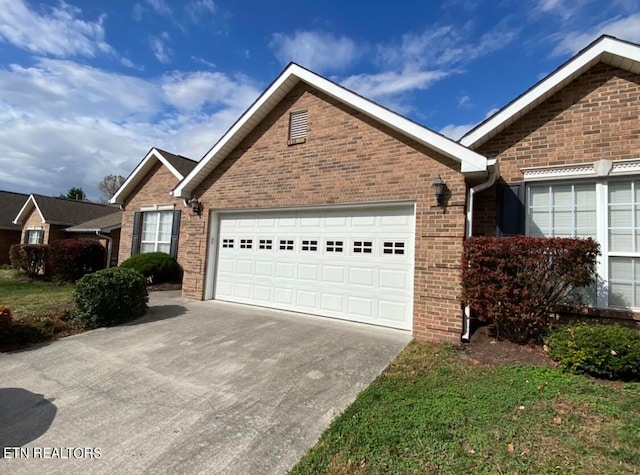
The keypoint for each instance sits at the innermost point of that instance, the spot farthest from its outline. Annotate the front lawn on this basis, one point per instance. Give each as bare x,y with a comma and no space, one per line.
432,411
40,310
26,296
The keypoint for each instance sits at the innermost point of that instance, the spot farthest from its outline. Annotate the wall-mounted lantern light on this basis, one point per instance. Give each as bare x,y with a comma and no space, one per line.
438,189
196,206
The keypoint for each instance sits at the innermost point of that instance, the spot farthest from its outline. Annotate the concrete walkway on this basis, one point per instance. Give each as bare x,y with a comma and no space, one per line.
192,387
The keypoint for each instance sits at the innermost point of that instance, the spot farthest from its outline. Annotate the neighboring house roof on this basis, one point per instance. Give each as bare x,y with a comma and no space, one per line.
62,211
178,165
470,161
10,204
103,224
606,49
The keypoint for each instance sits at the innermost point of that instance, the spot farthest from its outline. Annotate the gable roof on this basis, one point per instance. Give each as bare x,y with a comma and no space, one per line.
470,161
606,49
103,224
10,204
178,165
62,211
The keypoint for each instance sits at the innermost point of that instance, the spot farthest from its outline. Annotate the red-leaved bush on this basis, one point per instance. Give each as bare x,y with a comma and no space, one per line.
30,258
517,283
70,259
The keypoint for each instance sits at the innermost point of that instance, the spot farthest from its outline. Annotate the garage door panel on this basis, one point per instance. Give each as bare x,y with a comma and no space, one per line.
354,264
362,276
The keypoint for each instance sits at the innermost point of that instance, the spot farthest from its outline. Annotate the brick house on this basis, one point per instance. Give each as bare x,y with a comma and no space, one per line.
10,204
151,217
320,201
44,219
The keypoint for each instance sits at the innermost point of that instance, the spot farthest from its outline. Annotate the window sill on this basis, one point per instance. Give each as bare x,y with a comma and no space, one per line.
296,141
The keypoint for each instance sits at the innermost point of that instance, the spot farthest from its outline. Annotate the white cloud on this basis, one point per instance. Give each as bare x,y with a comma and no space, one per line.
465,101
137,12
60,32
195,9
442,47
160,7
160,49
627,28
389,83
454,132
316,50
63,124
549,5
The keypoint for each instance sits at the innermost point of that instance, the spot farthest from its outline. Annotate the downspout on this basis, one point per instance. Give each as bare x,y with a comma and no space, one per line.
494,173
109,240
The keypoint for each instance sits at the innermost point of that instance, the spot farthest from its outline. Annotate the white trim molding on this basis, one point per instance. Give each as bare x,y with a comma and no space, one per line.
601,168
167,207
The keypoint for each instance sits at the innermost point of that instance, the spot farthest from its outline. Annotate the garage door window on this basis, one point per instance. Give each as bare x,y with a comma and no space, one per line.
309,245
360,247
335,246
393,247
286,244
265,244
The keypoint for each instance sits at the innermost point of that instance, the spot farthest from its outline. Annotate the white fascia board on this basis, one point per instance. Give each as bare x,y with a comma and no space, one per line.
26,209
552,83
139,172
470,161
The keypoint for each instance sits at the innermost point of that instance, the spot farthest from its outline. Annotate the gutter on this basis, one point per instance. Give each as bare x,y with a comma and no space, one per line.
109,240
494,174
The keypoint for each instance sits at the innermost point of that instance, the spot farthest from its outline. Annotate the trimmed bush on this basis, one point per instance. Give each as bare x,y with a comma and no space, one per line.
157,267
109,297
605,351
31,258
70,259
517,283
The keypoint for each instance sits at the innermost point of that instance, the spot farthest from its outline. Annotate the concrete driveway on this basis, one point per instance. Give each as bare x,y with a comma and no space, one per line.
193,387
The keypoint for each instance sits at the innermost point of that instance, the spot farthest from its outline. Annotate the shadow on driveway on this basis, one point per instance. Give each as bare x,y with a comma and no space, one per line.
24,416
157,313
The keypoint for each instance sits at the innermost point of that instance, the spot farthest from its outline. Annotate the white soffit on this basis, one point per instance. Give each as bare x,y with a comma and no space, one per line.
470,161
605,49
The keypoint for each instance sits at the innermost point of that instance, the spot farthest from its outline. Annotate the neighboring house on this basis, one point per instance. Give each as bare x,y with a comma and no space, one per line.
10,204
106,229
44,219
320,201
152,217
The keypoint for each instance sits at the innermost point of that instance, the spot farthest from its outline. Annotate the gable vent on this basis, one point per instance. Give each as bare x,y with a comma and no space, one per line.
297,127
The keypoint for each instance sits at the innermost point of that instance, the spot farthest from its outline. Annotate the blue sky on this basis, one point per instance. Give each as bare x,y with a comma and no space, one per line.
87,87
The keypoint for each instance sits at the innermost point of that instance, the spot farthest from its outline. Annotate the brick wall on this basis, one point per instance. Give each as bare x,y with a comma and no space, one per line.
153,189
594,117
7,239
347,158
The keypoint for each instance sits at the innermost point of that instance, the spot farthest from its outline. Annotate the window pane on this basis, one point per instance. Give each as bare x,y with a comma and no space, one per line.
539,196
147,247
623,280
585,196
620,240
149,226
562,210
164,248
539,223
619,192
620,216
620,295
166,220
562,195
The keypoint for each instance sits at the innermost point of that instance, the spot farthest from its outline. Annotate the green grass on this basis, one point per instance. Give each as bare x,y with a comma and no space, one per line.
25,296
432,412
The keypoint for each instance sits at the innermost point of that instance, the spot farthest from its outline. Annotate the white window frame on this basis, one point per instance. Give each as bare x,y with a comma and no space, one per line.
35,232
602,216
156,234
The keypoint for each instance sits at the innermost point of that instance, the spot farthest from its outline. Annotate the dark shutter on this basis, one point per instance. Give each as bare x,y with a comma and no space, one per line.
510,209
137,231
41,237
175,233
26,237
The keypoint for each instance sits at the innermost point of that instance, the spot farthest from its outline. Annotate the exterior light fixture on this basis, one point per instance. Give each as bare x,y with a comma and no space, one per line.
196,207
438,189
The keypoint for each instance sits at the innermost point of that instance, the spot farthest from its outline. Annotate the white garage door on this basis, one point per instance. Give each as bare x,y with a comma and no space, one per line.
354,264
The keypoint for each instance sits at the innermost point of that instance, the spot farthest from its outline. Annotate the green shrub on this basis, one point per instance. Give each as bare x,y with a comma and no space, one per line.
31,258
109,297
70,259
157,267
605,351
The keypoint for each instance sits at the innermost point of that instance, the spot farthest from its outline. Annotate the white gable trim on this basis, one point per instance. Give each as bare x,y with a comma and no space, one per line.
140,171
26,209
470,161
605,49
